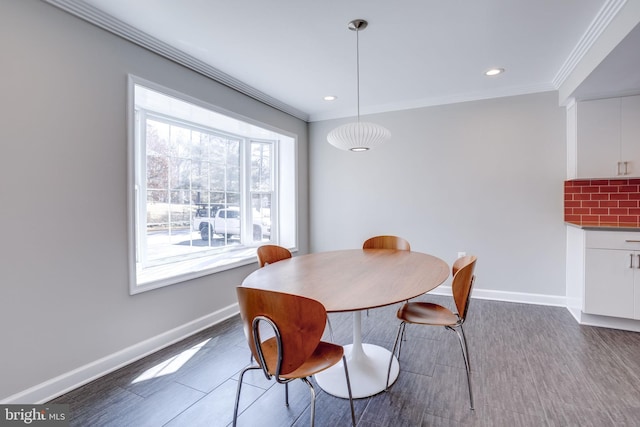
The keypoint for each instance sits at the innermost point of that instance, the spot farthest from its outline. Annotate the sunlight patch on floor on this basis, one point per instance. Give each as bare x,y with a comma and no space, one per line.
171,365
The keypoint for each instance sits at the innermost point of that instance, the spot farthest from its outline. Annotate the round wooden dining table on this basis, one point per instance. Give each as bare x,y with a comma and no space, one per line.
352,281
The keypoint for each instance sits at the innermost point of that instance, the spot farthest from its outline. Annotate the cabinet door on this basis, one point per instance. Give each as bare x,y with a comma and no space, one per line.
630,128
609,285
598,138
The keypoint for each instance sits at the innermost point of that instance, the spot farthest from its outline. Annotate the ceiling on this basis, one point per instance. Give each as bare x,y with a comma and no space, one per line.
291,53
617,74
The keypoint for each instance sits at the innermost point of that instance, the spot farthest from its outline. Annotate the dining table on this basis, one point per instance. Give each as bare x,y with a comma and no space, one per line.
353,280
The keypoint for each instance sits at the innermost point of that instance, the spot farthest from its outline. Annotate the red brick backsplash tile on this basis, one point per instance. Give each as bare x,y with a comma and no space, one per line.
602,202
590,219
609,189
619,196
591,189
618,211
569,190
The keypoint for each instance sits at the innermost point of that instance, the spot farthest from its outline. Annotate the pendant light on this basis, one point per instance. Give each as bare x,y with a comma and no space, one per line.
358,136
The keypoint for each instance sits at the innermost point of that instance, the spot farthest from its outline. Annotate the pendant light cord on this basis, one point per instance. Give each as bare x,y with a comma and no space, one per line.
358,70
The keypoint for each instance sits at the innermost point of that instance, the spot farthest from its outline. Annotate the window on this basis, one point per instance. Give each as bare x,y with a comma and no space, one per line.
205,188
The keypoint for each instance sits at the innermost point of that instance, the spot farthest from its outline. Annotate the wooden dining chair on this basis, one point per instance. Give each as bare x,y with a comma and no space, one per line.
427,313
268,254
386,242
294,349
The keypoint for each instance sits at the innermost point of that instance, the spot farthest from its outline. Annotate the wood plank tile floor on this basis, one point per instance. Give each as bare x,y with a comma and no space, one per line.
531,366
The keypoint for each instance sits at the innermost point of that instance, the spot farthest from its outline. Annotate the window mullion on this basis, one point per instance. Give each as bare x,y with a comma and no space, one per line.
273,209
245,187
141,181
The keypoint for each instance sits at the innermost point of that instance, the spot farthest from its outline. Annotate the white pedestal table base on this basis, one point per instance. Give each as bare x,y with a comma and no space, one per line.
367,373
367,365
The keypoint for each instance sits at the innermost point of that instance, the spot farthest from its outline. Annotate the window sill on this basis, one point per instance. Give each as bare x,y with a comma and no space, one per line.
181,271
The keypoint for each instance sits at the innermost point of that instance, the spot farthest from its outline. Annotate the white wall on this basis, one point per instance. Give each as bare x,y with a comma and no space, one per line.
65,302
483,177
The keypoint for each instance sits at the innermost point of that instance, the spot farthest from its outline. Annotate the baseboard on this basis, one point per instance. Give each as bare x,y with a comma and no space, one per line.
519,297
64,383
558,301
607,322
576,313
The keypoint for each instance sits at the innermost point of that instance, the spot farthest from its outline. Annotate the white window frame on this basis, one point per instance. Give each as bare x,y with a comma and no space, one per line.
283,212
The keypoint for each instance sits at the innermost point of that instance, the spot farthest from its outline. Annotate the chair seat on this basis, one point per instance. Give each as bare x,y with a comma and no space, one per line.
426,313
323,357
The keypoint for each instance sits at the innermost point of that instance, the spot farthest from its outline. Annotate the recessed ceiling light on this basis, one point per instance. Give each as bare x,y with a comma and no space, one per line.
494,71
330,98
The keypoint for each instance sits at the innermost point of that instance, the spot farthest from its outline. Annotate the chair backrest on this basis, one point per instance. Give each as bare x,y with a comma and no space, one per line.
386,242
458,264
268,254
463,279
300,322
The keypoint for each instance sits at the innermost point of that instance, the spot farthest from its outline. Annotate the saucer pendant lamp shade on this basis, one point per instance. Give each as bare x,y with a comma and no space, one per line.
358,136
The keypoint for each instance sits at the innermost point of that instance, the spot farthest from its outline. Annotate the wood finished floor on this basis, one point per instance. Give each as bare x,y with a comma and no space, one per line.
531,366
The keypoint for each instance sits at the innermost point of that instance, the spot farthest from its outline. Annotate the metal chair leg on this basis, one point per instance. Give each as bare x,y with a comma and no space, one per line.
286,394
402,338
330,330
237,404
346,374
463,347
393,351
466,347
313,400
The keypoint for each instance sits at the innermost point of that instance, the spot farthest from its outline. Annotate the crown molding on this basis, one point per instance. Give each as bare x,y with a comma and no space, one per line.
602,20
431,102
100,19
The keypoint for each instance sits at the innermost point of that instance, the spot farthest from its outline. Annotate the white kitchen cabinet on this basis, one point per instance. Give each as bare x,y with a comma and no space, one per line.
612,274
608,138
630,134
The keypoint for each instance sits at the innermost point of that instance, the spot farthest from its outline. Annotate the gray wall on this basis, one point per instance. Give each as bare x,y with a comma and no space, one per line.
65,300
484,177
